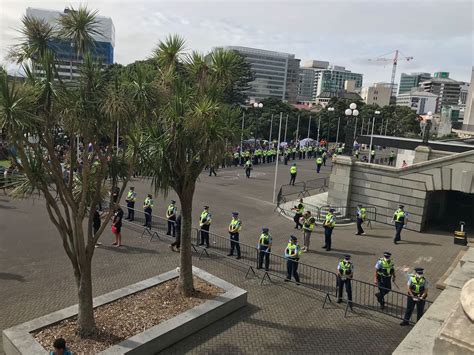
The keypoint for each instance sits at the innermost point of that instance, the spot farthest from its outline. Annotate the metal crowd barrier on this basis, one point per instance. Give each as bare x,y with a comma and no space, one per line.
314,278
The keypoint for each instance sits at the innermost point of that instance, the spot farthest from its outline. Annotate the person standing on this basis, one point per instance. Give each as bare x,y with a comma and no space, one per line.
177,242
308,228
417,293
329,223
171,217
293,171
248,168
399,217
372,155
264,248
236,158
292,256
148,208
345,273
204,224
361,217
324,155
117,227
299,210
234,229
391,158
319,163
384,273
96,223
131,199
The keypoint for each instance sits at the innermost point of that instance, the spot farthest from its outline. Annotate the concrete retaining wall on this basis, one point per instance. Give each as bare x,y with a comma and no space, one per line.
353,182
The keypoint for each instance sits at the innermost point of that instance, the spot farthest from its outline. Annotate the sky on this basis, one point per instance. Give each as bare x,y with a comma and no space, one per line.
438,34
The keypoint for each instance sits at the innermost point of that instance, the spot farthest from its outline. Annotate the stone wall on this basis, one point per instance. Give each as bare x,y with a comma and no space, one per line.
353,182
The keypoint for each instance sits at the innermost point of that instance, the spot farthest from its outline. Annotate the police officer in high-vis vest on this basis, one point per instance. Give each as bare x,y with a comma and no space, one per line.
147,208
417,293
171,217
235,226
264,247
400,219
131,199
384,273
345,273
293,174
204,224
319,163
328,224
292,255
299,210
361,217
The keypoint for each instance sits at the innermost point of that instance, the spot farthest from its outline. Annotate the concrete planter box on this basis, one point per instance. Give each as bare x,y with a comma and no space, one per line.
18,339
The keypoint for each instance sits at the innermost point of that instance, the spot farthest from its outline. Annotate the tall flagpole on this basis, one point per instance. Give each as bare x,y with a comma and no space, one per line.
319,126
309,125
271,128
297,129
286,125
277,158
242,137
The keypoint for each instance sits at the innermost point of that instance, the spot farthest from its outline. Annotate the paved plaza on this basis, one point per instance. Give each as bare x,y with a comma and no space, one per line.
36,277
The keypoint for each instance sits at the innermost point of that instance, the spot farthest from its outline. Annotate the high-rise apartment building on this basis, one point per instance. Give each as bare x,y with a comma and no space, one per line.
468,122
447,89
306,85
412,80
65,54
332,79
276,74
377,94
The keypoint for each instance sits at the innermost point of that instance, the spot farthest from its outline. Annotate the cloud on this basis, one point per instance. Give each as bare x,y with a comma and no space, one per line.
437,35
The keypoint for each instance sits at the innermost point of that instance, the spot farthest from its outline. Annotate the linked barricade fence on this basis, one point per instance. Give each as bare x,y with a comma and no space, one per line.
364,294
316,186
369,296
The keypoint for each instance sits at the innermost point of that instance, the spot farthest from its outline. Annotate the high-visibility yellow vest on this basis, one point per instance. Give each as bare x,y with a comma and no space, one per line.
148,203
345,267
293,251
293,170
131,196
235,225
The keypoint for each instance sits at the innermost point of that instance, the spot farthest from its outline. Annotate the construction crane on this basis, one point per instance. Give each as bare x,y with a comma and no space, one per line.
397,56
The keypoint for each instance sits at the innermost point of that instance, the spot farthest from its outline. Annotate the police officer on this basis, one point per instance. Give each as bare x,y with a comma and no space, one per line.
234,229
399,217
204,224
361,217
147,208
319,163
325,156
236,158
417,293
329,223
345,273
293,174
248,168
292,255
308,228
171,217
131,199
299,210
391,158
264,248
384,273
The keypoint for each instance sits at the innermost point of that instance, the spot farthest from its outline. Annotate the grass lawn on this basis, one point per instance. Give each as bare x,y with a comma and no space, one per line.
5,163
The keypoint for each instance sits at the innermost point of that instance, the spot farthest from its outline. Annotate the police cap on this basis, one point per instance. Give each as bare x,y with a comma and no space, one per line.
419,270
332,210
235,213
387,254
265,230
347,257
293,238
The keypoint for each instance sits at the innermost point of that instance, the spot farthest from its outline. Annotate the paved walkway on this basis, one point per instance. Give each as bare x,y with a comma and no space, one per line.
36,277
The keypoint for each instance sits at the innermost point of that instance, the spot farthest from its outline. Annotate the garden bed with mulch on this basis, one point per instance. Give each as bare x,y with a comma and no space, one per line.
128,316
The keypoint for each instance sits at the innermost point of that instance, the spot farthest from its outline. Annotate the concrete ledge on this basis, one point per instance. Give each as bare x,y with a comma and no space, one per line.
18,340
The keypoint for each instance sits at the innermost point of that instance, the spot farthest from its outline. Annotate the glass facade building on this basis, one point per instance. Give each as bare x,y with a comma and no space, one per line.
410,81
65,54
276,74
333,78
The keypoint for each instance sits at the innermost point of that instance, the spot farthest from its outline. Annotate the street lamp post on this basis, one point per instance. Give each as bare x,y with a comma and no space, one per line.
337,134
351,111
297,129
256,105
271,127
242,139
319,126
309,125
372,135
277,158
330,109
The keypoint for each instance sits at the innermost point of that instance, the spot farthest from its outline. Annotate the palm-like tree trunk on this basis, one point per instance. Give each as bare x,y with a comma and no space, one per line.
185,283
85,320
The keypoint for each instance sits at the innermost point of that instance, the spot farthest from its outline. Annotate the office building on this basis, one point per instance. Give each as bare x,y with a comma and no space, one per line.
377,94
412,80
333,78
447,89
276,74
66,58
468,122
464,91
418,100
306,85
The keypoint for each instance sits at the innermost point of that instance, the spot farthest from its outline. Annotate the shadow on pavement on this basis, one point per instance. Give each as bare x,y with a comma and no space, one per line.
418,243
126,249
8,276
